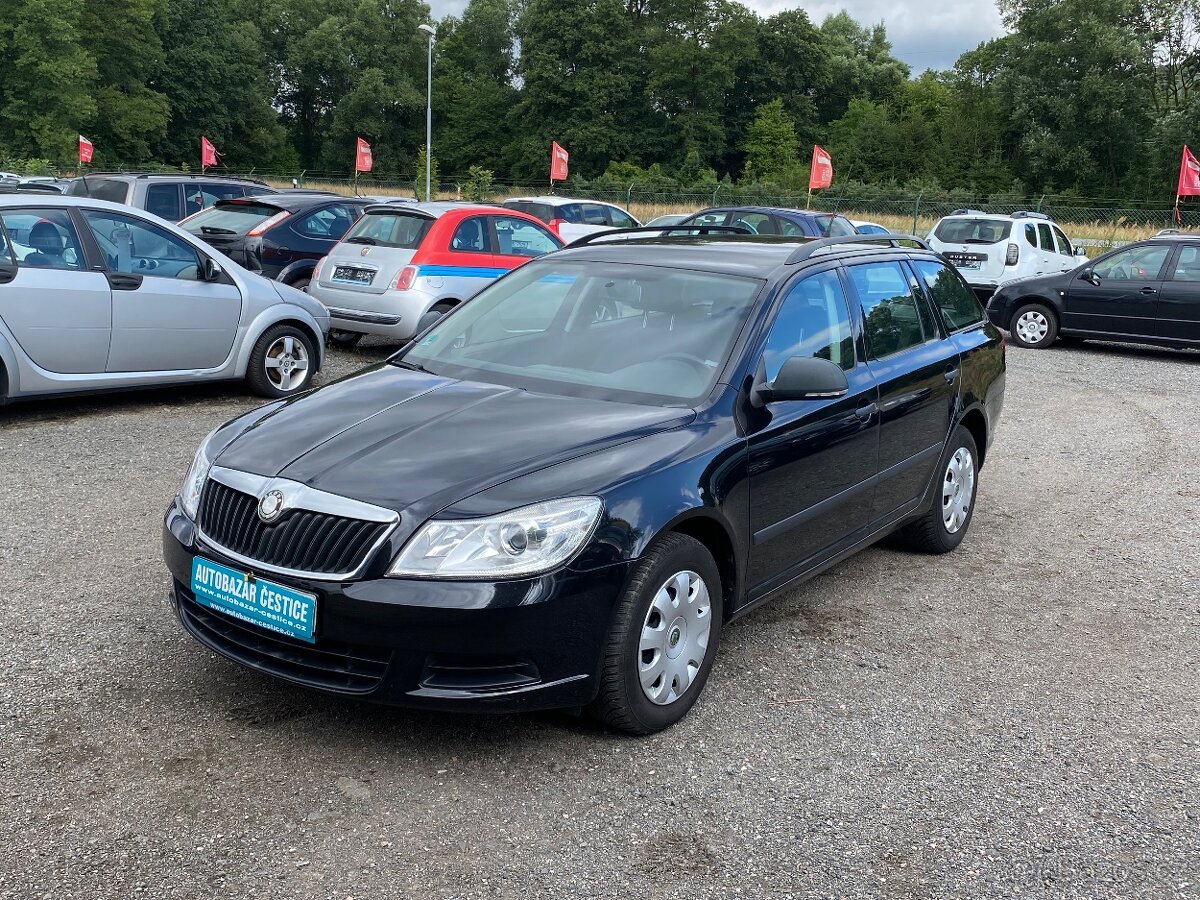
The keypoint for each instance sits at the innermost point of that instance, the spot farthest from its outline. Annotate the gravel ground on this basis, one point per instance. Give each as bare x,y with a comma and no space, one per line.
1017,719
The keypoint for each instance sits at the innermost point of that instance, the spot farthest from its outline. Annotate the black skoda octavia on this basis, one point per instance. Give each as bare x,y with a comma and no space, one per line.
560,492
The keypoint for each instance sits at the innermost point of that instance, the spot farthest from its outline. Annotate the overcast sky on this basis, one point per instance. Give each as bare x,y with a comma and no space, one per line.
926,35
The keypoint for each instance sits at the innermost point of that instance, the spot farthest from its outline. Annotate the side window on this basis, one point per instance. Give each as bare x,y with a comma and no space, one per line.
221,190
813,320
956,301
712,218
520,237
1047,239
1188,266
1031,235
789,228
929,326
7,257
569,212
139,248
328,223
1064,246
162,200
470,236
755,223
194,198
1137,263
889,307
619,219
43,238
594,214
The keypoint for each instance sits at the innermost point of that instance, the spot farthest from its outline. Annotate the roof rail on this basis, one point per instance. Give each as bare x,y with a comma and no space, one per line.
659,229
1029,214
968,212
893,240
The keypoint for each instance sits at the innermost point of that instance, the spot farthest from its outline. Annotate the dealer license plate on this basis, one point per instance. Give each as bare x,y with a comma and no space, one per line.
969,264
249,598
351,275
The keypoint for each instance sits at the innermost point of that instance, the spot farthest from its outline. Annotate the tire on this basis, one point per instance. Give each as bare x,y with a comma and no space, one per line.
1034,325
301,284
943,527
654,589
444,307
281,343
344,339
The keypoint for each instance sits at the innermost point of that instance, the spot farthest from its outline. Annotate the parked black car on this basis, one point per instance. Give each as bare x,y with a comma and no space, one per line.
771,220
281,235
534,506
1147,292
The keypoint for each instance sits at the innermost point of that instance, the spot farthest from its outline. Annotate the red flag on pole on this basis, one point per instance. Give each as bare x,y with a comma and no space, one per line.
820,175
85,150
1189,175
559,158
208,153
362,156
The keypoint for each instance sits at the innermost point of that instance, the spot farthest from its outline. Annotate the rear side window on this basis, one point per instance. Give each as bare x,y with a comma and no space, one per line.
44,238
1031,235
162,200
543,211
6,248
594,214
889,307
327,224
1188,266
230,218
957,302
470,236
389,229
973,231
109,189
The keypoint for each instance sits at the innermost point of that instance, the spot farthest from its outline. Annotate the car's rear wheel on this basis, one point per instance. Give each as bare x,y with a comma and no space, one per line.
344,339
1034,325
282,363
663,640
944,526
301,284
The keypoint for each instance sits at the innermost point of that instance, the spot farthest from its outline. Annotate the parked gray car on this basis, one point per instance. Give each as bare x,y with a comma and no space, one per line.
168,196
95,296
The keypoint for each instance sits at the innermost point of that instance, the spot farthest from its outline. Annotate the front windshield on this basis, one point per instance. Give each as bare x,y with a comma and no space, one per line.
607,330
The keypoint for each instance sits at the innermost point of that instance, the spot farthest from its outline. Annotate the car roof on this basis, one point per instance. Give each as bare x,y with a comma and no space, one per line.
438,208
54,201
745,255
174,176
555,200
774,210
291,202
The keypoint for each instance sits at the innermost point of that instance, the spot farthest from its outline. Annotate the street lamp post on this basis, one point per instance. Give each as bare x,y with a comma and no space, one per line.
429,31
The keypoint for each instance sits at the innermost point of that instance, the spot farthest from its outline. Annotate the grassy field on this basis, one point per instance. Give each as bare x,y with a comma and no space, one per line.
1099,235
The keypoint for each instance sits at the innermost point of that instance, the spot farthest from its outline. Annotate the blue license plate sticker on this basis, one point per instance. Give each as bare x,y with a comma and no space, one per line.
248,598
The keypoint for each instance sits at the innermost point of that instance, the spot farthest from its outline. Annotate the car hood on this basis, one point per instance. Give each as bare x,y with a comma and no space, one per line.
1054,281
412,441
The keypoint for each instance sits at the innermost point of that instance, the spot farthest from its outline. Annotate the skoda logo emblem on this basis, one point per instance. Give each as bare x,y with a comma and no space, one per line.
270,506
364,251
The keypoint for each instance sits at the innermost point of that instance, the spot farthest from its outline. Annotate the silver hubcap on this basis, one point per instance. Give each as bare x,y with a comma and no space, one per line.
286,363
958,489
1032,326
674,638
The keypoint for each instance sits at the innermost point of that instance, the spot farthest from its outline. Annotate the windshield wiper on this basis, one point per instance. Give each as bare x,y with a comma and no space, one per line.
411,366
362,240
978,241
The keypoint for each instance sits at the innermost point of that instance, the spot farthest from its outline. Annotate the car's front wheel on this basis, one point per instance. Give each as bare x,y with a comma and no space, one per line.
1034,325
282,363
344,339
944,526
663,640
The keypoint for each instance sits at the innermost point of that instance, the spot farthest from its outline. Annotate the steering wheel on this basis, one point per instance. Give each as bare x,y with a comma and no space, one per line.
742,223
694,361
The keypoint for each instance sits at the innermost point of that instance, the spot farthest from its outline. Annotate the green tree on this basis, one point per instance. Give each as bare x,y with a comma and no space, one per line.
46,80
770,143
861,65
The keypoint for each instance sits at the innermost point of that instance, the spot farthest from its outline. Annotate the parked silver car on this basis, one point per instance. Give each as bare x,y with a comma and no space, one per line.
95,296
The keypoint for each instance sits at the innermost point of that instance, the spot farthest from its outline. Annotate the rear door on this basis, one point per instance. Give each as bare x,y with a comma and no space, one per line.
1122,298
57,308
917,371
165,318
1179,297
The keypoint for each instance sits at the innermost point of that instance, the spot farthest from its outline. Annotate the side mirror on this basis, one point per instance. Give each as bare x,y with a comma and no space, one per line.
1079,251
801,378
211,270
428,320
1090,277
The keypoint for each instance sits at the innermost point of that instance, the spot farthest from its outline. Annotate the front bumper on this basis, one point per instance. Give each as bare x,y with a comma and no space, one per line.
469,646
999,311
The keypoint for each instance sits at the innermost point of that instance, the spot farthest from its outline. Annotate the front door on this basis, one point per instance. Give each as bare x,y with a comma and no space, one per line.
1179,298
165,317
811,462
1122,295
917,371
59,312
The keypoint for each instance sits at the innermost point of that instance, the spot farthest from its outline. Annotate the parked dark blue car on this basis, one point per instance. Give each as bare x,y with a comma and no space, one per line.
532,505
774,221
280,235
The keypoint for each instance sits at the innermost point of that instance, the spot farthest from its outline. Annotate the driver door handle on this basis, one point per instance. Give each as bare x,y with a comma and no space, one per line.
123,281
1149,290
951,375
867,410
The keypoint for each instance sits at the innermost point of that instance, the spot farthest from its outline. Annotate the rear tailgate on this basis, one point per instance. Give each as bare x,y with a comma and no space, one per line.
975,245
362,268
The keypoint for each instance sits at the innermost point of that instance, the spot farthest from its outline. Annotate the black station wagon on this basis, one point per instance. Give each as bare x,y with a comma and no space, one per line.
533,505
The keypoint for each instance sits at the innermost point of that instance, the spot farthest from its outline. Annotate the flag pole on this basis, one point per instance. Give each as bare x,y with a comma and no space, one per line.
808,202
1178,217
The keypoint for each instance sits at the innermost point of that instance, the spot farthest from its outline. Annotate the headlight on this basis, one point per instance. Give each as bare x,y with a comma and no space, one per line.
526,541
193,482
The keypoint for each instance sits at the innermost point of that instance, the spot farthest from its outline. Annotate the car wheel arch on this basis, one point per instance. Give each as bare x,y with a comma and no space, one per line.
716,537
976,422
268,318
